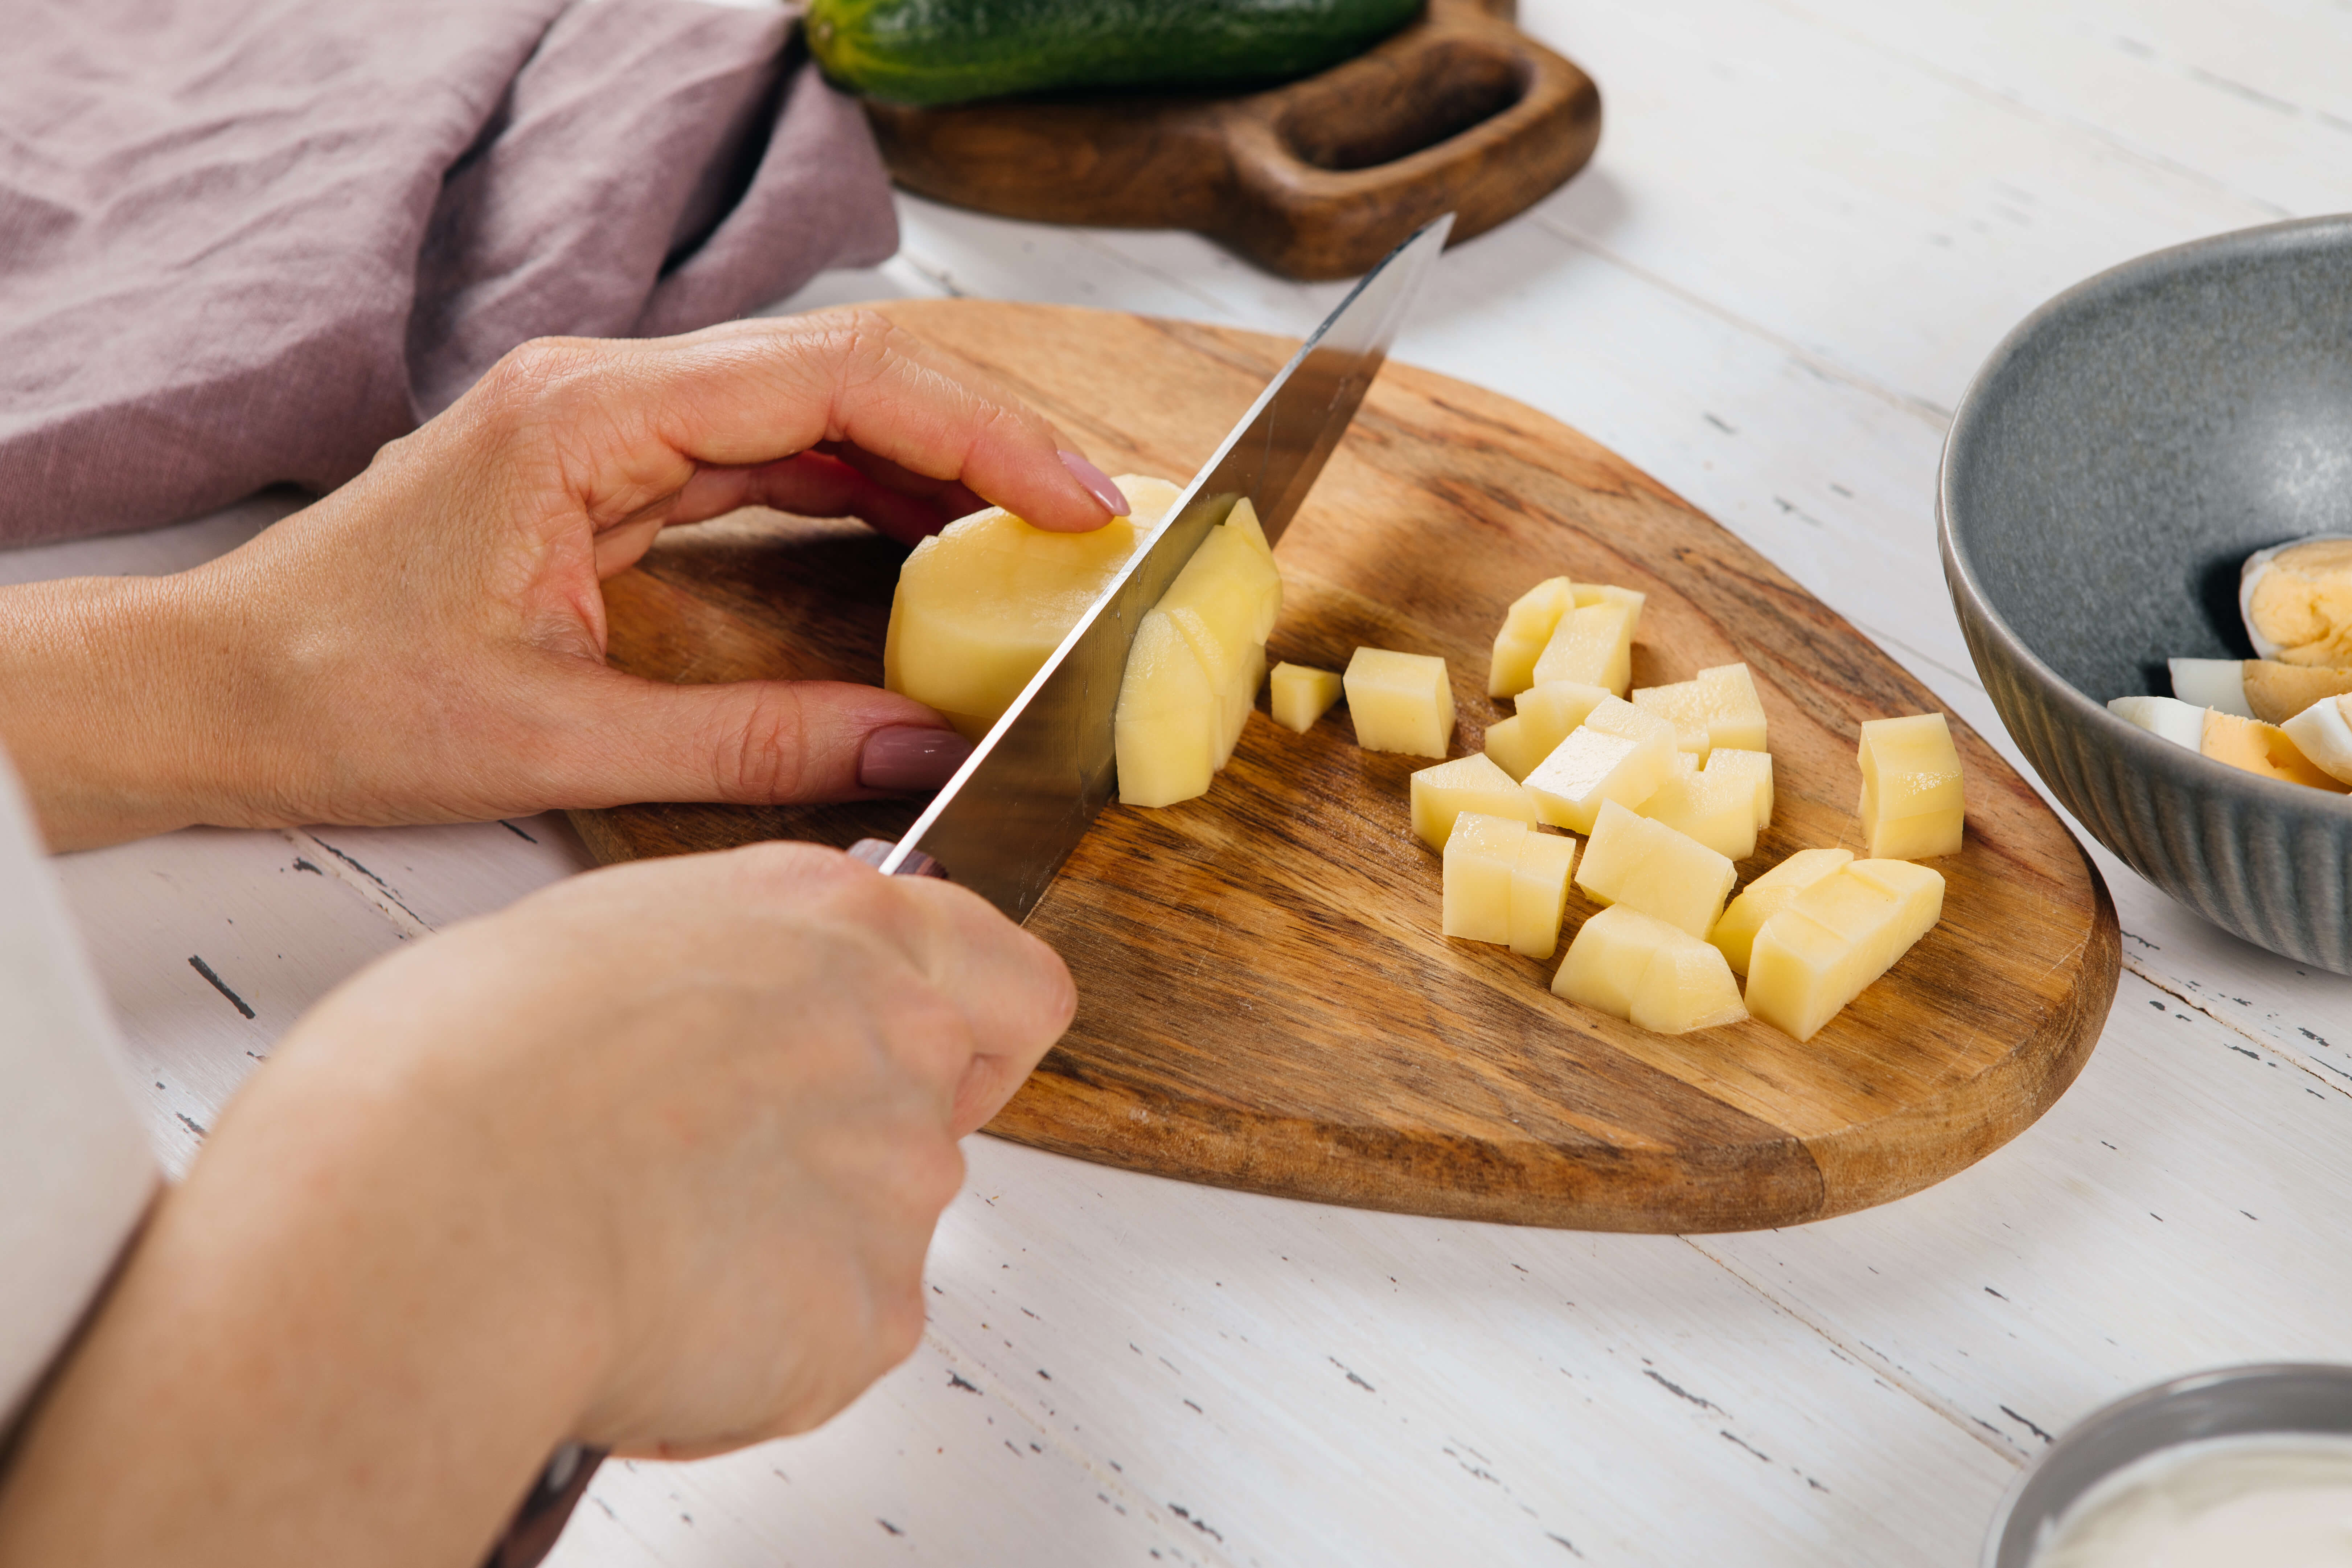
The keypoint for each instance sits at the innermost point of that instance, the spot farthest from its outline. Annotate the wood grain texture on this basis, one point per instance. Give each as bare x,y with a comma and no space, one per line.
1265,1002
1460,112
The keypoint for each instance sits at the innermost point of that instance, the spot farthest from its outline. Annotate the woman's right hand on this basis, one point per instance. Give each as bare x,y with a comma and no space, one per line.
650,1161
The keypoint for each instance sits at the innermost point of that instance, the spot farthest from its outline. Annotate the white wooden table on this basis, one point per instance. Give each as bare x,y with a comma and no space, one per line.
1808,223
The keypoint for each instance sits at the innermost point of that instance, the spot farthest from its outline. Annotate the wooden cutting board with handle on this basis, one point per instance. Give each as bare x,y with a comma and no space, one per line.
1459,112
1264,999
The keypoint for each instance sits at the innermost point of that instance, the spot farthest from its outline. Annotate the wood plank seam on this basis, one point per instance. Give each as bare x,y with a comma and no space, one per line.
1994,96
1857,1351
2335,1078
371,889
1926,409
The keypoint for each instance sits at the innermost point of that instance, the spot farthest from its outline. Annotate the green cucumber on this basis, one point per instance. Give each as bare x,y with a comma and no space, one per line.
949,51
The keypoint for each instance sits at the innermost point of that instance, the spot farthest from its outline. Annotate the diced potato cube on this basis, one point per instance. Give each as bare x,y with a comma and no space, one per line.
1302,694
1590,594
1835,937
1528,626
1630,966
1400,702
1722,805
1911,806
1719,707
1688,987
1767,896
1508,745
1539,893
1648,866
1548,714
1481,861
983,602
1593,646
1619,754
1471,784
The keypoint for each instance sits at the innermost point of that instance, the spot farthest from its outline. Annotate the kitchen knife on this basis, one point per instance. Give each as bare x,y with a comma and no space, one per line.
1010,817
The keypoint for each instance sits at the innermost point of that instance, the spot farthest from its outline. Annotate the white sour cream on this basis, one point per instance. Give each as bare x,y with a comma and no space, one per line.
2275,1500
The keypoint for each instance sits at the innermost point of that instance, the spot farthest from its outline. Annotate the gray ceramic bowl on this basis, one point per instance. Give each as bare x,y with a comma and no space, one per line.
2113,463
2241,1401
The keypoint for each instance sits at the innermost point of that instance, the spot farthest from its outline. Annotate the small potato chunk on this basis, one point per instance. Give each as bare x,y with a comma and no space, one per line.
1539,893
1547,715
1481,859
1400,702
1593,646
1632,966
1836,937
1648,866
1619,754
1528,627
1910,789
1471,784
1723,805
1720,707
1301,694
1767,896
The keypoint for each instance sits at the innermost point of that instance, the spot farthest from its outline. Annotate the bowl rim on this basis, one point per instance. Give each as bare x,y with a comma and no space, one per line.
2145,748
2141,1399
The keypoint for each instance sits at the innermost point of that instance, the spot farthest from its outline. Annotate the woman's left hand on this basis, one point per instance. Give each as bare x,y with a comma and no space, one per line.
428,643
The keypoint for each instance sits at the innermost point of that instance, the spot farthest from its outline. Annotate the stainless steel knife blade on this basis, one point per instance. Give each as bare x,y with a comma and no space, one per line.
1010,817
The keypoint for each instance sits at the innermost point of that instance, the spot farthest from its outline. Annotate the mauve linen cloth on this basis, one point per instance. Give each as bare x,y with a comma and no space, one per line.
247,242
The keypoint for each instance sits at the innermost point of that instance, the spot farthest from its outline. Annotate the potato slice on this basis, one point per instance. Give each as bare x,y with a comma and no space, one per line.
1300,694
1528,627
983,603
1471,784
1767,896
1539,893
1650,867
1619,754
1193,670
1911,806
1837,936
1719,707
1400,702
1632,966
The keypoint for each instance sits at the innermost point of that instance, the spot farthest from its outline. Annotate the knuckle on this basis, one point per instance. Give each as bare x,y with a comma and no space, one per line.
769,759
532,374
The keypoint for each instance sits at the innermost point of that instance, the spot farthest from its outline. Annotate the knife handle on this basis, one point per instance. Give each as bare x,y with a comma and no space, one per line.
874,851
531,1535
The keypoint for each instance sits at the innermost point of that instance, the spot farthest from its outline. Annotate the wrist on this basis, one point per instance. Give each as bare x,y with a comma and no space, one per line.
326,1347
116,706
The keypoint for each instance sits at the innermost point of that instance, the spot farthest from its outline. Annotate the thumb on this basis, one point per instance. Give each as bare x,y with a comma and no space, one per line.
751,742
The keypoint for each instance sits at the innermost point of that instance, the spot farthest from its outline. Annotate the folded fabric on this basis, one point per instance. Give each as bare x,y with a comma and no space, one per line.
247,242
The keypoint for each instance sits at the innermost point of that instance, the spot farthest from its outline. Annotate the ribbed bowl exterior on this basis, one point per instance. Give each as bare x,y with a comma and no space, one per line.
2272,869
2109,467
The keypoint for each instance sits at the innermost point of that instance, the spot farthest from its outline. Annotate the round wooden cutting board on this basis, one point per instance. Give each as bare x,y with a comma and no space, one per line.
1264,999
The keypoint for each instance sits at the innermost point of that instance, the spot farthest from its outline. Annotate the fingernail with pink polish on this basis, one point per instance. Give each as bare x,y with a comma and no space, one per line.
1095,481
905,758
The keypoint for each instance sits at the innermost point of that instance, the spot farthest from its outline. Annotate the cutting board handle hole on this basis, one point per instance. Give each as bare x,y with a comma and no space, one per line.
1431,96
